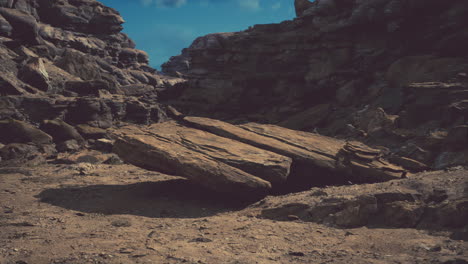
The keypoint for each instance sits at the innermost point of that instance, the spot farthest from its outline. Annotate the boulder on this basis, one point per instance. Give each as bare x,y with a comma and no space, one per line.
261,163
104,144
82,16
35,74
92,111
14,131
426,201
61,131
24,25
68,146
79,64
19,154
156,152
318,158
90,132
374,121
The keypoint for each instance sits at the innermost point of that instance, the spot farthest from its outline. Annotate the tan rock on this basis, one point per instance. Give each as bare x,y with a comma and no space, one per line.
309,151
163,153
261,163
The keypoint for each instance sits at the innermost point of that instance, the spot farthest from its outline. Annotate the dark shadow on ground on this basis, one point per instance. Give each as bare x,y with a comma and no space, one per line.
165,199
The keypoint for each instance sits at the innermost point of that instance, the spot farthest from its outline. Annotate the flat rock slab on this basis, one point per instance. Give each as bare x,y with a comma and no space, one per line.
238,133
202,157
261,163
360,162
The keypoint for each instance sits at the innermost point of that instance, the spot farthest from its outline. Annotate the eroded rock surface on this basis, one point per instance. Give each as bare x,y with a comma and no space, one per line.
202,149
213,162
68,61
386,72
427,200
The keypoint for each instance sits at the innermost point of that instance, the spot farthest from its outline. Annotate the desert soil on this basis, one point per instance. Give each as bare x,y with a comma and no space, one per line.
122,214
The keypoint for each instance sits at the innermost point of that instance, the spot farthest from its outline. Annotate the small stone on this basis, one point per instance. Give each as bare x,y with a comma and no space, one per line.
293,217
201,240
296,253
121,223
126,250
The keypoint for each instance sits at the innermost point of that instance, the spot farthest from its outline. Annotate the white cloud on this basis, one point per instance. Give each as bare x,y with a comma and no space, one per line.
146,2
276,6
170,3
250,4
164,3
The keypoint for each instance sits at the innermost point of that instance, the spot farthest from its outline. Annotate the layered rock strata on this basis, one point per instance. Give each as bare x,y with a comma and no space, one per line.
65,64
246,160
387,72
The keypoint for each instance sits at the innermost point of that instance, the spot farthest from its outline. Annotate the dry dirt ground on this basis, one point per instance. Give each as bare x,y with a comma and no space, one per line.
123,214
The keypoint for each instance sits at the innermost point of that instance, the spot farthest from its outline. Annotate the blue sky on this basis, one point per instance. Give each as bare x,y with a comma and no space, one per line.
163,28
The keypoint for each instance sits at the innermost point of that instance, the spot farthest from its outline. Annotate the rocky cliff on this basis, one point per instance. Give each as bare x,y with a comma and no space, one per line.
389,72
67,62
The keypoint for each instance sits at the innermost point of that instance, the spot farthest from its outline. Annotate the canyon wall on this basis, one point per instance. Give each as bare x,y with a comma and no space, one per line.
388,72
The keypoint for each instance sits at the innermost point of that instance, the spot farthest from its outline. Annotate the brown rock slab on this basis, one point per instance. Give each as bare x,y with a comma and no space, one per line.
167,153
261,163
308,150
243,135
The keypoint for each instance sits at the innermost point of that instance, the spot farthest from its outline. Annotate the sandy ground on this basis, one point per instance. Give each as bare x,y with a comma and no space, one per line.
123,214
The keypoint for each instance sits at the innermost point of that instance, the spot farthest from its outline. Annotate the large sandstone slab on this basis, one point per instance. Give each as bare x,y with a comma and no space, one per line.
201,157
309,151
259,162
239,133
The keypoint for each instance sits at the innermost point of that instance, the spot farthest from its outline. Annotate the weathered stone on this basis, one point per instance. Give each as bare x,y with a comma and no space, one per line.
104,144
14,131
309,151
24,25
90,132
401,204
34,73
263,164
155,152
92,111
374,121
61,131
18,154
68,145
297,153
409,164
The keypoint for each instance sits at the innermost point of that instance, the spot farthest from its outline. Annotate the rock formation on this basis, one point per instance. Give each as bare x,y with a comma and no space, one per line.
391,73
246,160
65,64
357,74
